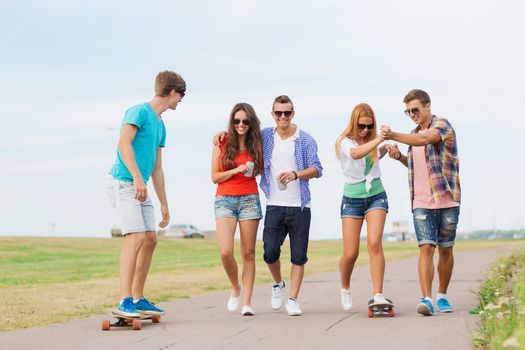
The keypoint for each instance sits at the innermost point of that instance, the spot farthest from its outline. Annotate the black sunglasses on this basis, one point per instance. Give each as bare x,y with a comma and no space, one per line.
367,126
239,121
181,93
279,114
412,111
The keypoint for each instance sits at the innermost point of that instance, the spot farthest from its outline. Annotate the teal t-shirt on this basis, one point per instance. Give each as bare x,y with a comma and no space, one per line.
358,190
150,136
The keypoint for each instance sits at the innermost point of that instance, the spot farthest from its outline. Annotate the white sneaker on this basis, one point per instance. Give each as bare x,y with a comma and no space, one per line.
233,302
346,299
247,311
292,307
277,296
380,299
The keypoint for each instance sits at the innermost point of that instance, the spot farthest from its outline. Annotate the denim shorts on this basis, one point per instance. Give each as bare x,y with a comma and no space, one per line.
282,221
358,207
131,214
429,223
246,207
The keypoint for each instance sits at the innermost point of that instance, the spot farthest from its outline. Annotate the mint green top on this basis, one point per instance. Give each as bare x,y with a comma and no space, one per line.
358,190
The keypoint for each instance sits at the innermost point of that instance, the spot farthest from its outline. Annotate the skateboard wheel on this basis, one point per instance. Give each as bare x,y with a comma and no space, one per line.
391,313
137,325
105,325
370,313
155,318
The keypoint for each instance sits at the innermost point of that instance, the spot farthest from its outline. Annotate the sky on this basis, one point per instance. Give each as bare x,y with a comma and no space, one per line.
70,69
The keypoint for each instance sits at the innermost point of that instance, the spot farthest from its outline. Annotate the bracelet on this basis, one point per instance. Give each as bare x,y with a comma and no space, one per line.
296,177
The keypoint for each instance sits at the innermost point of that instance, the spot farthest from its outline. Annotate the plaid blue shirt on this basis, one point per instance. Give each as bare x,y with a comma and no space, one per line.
305,157
442,162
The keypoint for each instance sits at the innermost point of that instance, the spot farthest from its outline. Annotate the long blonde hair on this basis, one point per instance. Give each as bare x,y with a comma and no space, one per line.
361,110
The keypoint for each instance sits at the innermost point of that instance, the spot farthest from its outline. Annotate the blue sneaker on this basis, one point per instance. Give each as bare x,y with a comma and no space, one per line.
145,307
127,308
425,307
443,305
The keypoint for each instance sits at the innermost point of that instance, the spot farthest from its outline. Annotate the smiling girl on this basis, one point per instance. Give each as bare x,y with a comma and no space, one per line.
235,163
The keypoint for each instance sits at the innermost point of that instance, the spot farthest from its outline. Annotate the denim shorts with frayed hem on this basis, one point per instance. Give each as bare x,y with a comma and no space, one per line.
132,215
358,207
436,227
247,207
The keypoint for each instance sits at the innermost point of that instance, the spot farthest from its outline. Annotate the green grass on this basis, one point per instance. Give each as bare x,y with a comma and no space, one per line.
36,261
33,261
502,305
78,277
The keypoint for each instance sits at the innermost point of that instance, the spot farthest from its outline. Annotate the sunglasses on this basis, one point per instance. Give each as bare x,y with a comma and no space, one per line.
279,114
241,121
365,126
412,111
182,94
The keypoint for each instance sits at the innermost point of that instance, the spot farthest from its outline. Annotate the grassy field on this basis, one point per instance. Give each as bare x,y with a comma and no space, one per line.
51,280
502,305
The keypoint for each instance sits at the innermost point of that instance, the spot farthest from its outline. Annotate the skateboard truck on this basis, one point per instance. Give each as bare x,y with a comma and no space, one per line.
380,309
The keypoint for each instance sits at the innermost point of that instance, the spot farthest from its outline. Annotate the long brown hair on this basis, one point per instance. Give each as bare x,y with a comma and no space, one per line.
253,139
361,110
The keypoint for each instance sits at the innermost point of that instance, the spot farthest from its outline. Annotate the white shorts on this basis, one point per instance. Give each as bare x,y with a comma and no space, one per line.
132,215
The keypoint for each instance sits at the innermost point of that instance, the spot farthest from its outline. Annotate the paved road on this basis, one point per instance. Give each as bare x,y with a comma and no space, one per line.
203,322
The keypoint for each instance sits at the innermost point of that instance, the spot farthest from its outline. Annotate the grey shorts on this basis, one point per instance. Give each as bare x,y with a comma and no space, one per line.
131,214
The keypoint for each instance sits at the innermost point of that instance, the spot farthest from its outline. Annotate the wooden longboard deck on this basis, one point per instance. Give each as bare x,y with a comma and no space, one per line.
119,315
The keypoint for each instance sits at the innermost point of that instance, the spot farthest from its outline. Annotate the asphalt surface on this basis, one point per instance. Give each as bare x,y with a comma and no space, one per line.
204,323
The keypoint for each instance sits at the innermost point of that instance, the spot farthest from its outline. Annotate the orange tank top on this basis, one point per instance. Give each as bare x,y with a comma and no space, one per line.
238,184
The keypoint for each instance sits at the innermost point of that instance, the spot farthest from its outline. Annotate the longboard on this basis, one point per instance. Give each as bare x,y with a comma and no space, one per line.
380,309
124,321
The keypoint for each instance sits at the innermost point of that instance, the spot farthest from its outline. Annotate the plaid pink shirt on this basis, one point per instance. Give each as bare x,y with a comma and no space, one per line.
442,162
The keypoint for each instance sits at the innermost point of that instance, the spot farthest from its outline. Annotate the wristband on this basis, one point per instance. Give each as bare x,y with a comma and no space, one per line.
296,177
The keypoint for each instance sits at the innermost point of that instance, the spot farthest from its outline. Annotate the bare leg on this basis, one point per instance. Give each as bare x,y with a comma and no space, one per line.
248,238
225,237
375,222
275,270
445,267
143,263
296,279
351,231
128,260
426,269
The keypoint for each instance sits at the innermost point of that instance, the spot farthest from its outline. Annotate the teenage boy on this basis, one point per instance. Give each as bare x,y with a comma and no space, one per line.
290,160
433,173
139,157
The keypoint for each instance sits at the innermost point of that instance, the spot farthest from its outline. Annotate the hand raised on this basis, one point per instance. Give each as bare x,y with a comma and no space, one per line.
386,132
